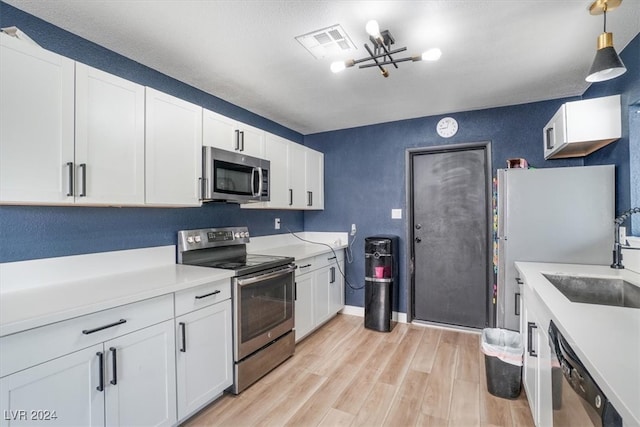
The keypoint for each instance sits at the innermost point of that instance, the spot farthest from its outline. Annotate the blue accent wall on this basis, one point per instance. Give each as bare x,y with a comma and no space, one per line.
625,153
31,232
365,166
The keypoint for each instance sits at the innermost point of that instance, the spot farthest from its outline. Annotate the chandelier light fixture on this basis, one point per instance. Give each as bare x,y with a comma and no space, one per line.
382,54
607,64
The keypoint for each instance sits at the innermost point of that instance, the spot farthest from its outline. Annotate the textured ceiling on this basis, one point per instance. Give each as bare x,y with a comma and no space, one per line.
495,53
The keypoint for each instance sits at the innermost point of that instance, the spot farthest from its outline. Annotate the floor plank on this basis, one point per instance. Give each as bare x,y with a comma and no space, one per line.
344,374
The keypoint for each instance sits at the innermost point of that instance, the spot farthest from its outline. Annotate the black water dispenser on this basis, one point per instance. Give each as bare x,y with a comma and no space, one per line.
381,273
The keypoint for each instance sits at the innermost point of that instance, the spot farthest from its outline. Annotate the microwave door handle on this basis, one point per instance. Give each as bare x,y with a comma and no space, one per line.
258,192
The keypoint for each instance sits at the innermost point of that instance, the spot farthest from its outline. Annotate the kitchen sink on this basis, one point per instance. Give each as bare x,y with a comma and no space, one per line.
597,290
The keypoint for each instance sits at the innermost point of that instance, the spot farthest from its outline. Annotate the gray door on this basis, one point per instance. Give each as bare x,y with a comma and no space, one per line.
451,236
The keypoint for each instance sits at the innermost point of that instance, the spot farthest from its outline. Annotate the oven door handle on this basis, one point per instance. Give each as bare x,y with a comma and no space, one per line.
267,276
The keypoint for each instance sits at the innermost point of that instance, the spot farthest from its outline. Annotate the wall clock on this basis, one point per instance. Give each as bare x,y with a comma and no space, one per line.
447,127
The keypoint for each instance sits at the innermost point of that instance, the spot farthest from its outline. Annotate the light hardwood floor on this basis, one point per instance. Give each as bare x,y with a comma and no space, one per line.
346,375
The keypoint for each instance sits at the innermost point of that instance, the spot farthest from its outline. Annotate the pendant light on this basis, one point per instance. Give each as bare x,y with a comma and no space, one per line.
607,64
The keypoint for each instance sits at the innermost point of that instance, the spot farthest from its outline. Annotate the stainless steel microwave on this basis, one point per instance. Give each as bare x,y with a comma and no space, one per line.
234,177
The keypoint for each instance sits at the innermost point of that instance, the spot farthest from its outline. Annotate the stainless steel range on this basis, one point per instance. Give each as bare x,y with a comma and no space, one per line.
263,298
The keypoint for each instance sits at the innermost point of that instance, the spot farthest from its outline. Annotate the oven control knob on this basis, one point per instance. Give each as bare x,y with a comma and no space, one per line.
190,239
237,235
598,401
246,234
198,239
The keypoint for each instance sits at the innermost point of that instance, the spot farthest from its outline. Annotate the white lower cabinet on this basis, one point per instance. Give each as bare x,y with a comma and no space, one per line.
113,367
126,381
61,392
536,372
140,387
203,356
319,291
304,305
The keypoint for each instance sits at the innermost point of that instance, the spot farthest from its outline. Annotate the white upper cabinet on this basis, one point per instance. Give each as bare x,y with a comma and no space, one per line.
581,127
314,178
36,124
297,176
276,152
228,134
109,148
296,179
173,150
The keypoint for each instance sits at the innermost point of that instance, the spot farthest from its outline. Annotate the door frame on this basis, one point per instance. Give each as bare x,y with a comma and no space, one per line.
490,308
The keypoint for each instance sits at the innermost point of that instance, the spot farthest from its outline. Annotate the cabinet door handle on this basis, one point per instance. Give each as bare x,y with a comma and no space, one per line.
100,328
333,257
237,140
83,180
309,198
530,327
519,281
333,275
70,179
241,140
550,141
208,295
183,331
100,371
295,291
290,197
114,366
517,302
305,266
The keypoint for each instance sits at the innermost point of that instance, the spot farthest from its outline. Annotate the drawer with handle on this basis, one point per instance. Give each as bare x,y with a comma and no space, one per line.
202,296
29,348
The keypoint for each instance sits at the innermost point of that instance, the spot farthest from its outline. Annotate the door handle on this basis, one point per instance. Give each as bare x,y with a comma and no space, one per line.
70,178
83,175
418,240
183,331
114,366
237,140
530,327
100,371
241,140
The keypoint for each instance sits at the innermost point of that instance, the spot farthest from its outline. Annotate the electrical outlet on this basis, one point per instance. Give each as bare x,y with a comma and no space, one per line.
353,229
276,224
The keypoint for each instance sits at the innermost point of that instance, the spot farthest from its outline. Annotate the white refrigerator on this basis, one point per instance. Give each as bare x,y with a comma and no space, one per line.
560,215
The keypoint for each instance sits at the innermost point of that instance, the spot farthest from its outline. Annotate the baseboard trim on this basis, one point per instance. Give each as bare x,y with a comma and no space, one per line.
354,310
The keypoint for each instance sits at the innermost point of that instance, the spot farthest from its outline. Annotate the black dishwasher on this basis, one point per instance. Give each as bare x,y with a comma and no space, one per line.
577,399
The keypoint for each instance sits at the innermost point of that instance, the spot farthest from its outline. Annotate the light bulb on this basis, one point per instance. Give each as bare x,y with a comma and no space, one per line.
432,54
373,29
337,66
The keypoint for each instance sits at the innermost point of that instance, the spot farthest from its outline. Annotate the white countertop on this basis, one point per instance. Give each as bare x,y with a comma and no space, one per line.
605,338
64,296
289,245
39,292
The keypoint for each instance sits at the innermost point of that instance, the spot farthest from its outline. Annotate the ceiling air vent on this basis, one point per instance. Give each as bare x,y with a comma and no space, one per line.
327,42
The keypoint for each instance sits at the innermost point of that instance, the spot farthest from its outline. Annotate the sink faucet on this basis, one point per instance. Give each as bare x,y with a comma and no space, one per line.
617,246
